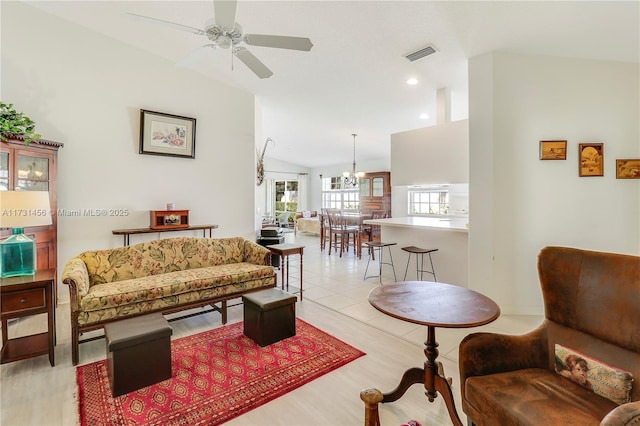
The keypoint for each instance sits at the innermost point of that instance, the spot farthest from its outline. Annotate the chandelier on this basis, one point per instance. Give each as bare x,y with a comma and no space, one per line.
352,178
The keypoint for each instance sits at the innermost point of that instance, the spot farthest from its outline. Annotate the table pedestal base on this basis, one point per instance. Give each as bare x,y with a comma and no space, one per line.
432,376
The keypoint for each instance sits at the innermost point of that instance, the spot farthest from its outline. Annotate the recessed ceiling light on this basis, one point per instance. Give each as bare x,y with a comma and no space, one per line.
424,116
412,82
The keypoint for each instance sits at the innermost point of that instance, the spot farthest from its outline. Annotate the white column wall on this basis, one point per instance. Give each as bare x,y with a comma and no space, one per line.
518,203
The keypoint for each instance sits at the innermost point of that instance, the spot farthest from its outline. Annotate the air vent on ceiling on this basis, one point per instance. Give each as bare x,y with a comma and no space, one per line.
419,54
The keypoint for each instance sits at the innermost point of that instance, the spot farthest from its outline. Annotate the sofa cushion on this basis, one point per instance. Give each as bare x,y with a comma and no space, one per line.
160,257
126,292
534,397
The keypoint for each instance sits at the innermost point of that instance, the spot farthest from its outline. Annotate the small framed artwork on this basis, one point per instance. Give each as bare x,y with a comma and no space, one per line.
628,169
591,159
167,134
553,150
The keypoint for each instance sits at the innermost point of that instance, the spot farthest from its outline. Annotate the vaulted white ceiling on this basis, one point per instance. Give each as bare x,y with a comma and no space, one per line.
354,77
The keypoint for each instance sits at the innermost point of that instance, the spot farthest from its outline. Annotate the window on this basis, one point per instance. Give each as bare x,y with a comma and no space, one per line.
286,196
334,196
429,201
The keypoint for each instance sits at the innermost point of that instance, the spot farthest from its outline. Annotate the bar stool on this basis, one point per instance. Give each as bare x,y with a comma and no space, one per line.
379,245
419,266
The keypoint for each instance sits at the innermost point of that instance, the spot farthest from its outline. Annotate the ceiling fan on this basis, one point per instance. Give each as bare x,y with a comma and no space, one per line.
224,32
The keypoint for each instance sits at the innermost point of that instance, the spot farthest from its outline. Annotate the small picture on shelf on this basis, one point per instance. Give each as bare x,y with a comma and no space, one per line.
169,219
172,219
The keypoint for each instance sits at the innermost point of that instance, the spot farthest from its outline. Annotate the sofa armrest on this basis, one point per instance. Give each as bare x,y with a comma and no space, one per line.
625,414
76,276
256,254
488,353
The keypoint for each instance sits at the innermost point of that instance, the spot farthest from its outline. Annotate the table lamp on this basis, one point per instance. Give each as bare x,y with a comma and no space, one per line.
18,210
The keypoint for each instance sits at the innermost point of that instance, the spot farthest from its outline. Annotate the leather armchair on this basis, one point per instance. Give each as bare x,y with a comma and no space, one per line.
592,305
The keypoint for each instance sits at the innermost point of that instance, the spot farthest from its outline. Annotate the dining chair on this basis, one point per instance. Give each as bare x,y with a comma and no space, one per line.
324,229
283,220
352,225
340,231
372,232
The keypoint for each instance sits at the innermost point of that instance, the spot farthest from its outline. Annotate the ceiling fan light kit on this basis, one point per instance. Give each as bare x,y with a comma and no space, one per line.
225,33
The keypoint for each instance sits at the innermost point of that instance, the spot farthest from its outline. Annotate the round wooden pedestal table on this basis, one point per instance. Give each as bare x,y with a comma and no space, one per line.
432,304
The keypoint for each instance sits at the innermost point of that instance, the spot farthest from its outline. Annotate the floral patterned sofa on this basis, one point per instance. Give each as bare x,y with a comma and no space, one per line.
166,275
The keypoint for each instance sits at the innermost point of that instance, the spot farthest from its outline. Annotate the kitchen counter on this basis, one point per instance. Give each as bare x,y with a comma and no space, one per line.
459,224
448,234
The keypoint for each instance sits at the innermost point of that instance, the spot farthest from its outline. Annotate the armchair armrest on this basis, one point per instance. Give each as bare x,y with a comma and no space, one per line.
487,353
76,276
625,414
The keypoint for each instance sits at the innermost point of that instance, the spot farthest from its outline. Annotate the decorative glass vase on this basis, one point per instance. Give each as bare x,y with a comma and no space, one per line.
17,255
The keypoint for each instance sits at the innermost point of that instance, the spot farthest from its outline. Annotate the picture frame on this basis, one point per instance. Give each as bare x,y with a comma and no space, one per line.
553,150
167,134
628,168
591,159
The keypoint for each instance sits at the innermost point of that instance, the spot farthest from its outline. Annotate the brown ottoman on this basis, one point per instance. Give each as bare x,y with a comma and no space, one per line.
138,352
269,316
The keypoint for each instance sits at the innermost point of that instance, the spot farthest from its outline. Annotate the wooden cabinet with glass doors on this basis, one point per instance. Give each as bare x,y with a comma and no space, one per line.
33,167
375,192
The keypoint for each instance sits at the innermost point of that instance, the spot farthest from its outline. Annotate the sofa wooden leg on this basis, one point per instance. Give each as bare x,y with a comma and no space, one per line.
223,308
75,343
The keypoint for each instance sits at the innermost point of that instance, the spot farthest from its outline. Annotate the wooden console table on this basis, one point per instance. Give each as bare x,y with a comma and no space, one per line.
127,232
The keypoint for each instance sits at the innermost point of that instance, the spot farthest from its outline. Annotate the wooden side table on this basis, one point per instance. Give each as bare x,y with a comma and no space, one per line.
432,304
22,297
284,251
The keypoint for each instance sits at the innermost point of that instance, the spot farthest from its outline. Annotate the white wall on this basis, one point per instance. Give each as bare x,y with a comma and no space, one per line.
431,155
518,203
86,90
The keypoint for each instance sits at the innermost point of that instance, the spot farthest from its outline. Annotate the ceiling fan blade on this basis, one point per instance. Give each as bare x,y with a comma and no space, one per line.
195,56
225,13
252,62
280,42
167,24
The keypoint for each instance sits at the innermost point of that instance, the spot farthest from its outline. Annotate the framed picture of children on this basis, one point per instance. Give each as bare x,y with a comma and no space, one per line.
591,159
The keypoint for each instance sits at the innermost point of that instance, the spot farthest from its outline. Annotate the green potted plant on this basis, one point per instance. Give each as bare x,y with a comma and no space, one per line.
13,123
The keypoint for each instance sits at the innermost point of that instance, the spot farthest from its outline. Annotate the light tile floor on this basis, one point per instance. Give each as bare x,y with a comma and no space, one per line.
335,300
338,283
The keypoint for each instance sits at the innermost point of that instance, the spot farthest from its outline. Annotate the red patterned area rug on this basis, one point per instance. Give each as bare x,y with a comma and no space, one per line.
217,375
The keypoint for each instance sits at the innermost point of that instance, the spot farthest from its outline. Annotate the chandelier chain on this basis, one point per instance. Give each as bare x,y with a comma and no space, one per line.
352,178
